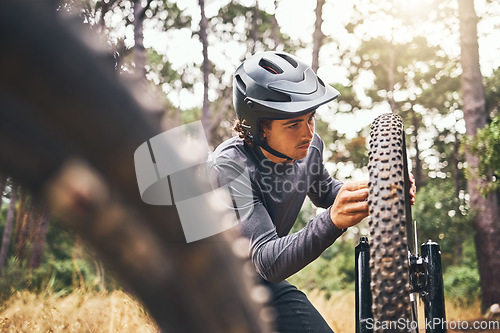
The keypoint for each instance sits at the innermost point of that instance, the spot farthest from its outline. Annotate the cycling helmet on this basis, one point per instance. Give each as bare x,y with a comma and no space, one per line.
276,85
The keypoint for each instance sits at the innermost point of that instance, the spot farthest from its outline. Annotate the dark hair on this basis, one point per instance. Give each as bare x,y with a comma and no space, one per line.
244,133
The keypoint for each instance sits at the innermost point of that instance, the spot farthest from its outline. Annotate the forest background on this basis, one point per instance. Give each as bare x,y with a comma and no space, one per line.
406,57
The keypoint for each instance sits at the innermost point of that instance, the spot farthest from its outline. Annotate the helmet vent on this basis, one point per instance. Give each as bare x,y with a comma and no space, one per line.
270,67
289,59
241,84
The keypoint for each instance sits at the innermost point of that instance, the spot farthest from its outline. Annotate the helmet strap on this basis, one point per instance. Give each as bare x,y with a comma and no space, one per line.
276,153
265,146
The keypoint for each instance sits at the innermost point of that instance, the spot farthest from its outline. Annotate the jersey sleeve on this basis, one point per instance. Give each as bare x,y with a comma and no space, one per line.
275,258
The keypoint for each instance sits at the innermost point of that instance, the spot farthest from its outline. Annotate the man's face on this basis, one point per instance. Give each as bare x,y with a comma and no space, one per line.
291,137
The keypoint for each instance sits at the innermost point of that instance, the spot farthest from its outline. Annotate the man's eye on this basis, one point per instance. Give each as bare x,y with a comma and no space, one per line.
292,126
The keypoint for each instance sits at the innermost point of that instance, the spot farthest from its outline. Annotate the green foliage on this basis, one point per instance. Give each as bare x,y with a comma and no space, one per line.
486,145
492,90
333,270
461,285
444,217
461,282
413,67
65,266
176,18
60,276
234,15
469,257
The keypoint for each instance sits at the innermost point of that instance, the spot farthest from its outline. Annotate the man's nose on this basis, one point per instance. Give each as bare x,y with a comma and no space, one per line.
308,131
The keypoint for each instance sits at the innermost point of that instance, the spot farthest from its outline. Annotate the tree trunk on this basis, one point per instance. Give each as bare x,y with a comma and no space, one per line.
391,69
3,181
458,187
39,237
318,35
487,218
106,6
139,50
22,228
77,249
275,32
205,116
417,169
9,221
456,171
255,26
223,104
20,212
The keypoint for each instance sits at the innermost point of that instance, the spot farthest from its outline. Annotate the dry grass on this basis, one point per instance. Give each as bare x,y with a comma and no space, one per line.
339,310
454,312
118,312
77,312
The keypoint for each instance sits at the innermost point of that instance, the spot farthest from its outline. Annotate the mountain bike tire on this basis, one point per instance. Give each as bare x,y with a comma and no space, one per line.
69,127
390,221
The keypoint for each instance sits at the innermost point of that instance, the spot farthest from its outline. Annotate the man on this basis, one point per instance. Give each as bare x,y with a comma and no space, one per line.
275,96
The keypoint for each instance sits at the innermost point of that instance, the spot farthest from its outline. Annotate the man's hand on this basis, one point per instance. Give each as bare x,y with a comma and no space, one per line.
351,204
413,189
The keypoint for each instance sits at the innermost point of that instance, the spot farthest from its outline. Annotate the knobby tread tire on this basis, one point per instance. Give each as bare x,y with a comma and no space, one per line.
389,245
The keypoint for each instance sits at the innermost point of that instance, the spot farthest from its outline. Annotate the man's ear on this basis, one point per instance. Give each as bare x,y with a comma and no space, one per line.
264,128
263,132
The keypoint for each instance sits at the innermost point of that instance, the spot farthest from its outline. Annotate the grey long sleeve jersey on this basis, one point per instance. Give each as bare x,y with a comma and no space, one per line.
272,196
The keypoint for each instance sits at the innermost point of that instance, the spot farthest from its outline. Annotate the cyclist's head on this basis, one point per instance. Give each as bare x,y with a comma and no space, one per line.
275,85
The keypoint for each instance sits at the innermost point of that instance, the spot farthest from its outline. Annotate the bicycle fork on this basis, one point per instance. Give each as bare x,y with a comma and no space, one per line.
426,281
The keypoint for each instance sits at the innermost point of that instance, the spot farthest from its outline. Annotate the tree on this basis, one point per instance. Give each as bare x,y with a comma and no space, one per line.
486,143
413,78
405,66
255,26
139,50
23,220
9,221
318,35
486,222
3,181
205,113
275,29
252,26
40,233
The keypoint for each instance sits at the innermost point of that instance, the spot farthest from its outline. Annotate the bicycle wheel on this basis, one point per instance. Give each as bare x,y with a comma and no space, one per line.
69,127
390,216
